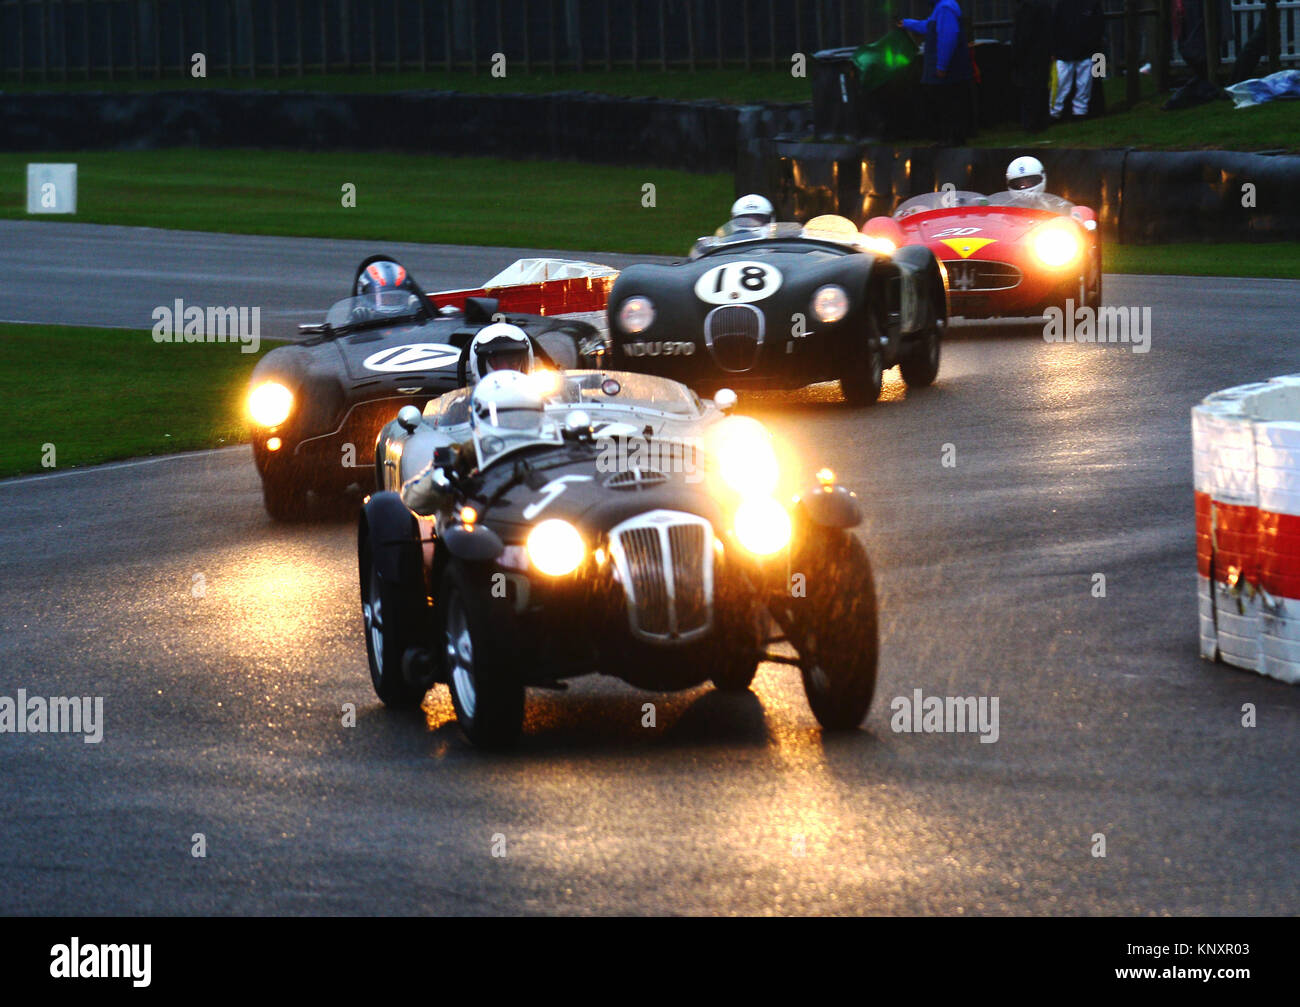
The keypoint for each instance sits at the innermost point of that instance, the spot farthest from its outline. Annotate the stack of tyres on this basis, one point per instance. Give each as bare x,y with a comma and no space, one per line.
1246,449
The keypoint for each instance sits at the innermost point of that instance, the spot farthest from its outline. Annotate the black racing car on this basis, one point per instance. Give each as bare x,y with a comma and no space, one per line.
605,543
316,405
782,306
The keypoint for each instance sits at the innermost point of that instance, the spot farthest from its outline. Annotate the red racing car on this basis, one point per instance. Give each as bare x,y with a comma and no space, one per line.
1007,255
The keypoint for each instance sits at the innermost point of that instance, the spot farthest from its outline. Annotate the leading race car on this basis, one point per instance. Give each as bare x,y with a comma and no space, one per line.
545,526
783,305
1011,254
317,405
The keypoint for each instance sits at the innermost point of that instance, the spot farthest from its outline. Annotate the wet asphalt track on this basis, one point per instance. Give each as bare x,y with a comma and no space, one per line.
223,711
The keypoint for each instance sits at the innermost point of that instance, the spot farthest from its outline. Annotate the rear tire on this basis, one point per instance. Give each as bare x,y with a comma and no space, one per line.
487,696
921,365
837,628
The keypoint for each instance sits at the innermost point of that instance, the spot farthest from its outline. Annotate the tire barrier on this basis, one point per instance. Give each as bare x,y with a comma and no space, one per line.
700,136
1141,197
1246,465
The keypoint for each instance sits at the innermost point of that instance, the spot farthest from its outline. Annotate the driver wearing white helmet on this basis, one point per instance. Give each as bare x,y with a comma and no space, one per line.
506,412
498,347
1026,179
749,215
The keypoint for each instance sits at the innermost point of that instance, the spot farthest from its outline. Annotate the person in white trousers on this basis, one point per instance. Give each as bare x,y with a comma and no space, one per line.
1078,34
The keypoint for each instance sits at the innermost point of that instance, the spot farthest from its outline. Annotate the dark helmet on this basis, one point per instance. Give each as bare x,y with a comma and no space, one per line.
384,275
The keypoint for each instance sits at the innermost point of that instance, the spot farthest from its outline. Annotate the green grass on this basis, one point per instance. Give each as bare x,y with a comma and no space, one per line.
101,394
1280,260
736,86
1214,126
475,201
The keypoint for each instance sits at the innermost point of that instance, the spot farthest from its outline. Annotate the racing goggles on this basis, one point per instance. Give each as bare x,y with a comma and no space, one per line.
503,358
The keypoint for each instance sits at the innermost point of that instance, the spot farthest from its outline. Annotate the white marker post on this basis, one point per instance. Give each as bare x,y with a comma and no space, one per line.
51,188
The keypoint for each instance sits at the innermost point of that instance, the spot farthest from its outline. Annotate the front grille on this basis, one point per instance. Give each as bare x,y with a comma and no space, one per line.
733,333
981,274
665,562
635,478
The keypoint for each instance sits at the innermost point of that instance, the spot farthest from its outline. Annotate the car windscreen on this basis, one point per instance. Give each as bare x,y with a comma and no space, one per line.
626,390
384,307
953,198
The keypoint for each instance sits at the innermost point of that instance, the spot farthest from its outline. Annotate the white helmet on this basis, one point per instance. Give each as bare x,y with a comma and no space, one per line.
752,211
1025,174
506,410
499,346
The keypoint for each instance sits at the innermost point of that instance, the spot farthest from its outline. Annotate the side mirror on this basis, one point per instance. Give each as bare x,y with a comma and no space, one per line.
312,328
408,418
725,399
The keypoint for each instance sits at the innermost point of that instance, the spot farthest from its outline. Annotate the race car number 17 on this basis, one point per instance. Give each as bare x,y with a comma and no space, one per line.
738,283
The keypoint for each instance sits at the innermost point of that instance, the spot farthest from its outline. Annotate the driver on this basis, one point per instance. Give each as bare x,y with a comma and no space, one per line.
384,287
1026,179
498,347
505,411
750,213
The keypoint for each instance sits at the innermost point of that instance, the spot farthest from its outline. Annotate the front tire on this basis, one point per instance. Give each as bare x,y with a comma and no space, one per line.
487,696
283,498
836,625
864,377
921,366
392,624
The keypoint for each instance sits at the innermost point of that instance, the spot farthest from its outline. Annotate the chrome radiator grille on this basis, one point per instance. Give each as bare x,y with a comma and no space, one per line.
980,274
733,334
664,560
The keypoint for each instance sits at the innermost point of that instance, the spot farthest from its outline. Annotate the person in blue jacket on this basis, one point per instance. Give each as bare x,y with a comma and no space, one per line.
947,72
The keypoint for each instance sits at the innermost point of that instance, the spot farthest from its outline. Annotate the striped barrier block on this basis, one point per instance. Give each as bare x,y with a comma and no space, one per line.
1246,470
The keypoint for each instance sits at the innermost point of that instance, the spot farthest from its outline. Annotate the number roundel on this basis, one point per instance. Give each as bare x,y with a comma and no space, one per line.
738,283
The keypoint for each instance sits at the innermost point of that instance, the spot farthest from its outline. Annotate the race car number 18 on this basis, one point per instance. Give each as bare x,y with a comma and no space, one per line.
738,283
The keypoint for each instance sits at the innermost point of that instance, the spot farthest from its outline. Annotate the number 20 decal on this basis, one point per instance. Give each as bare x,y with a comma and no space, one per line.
738,283
957,232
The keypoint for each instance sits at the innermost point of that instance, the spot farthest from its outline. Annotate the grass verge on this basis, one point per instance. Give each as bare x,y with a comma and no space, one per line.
471,201
114,393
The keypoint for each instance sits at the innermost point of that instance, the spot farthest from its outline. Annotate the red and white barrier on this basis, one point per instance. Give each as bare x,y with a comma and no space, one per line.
552,287
1246,463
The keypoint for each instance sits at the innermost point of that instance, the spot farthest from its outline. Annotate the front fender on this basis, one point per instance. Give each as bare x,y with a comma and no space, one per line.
394,540
830,507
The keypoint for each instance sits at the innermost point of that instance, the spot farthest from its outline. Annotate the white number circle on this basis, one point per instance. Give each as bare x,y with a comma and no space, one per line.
412,357
738,283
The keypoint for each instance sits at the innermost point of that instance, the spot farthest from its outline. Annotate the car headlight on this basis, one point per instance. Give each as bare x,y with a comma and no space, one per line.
879,245
1056,245
745,456
762,526
270,404
636,314
555,547
830,303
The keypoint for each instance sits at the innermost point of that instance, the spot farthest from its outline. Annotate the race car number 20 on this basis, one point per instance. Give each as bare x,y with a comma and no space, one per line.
738,283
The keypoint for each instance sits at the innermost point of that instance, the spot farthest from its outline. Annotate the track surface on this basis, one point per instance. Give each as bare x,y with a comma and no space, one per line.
223,711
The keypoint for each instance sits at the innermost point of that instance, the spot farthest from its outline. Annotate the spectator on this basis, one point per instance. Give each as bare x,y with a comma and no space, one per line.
1031,56
947,71
1078,30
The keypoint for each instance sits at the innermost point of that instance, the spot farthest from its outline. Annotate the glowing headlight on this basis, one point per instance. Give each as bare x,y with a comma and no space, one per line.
830,303
762,526
270,403
636,314
875,243
746,459
555,547
1056,245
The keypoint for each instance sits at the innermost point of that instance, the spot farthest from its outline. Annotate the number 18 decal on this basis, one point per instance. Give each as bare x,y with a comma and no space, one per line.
738,283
